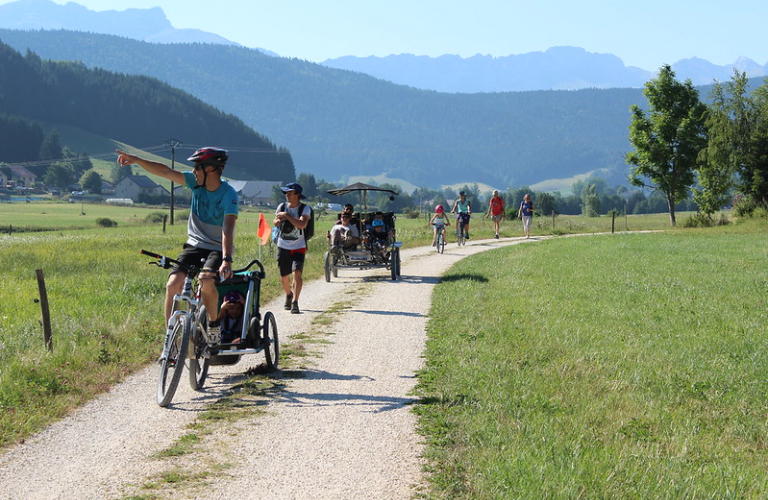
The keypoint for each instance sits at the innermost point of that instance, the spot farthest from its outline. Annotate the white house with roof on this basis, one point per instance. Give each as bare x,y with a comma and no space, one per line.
16,175
132,186
254,192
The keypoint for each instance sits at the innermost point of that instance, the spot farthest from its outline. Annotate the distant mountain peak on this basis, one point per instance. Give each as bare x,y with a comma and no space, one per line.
150,25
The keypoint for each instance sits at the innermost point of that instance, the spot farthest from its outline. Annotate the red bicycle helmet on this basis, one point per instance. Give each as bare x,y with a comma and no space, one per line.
439,209
210,156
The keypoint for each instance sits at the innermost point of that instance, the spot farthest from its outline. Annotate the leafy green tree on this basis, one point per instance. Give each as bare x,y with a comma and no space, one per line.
546,203
309,185
668,139
60,175
51,148
728,123
590,201
119,172
91,181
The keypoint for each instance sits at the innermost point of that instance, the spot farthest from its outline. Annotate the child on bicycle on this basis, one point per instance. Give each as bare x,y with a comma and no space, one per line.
438,221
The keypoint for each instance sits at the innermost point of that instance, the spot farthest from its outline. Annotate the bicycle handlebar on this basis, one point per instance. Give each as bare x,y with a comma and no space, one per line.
166,263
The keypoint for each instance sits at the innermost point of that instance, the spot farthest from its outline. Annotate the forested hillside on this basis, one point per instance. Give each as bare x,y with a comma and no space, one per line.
339,123
137,110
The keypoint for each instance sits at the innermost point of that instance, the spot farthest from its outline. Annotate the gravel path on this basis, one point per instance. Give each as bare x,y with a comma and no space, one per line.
340,427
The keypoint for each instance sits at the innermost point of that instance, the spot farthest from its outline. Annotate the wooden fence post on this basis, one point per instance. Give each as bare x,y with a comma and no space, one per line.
613,221
165,219
46,312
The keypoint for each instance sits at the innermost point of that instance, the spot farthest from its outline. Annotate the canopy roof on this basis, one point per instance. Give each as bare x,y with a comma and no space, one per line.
363,189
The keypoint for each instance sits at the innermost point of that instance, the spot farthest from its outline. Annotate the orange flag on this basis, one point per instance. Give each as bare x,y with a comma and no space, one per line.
264,230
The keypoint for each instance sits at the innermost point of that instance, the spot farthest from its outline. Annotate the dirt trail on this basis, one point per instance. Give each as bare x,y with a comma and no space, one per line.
340,428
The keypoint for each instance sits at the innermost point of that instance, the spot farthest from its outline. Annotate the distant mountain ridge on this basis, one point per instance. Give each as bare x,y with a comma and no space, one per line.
149,25
557,68
340,124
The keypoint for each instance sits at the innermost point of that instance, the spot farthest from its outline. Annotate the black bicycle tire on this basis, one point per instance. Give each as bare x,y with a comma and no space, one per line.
328,266
271,341
178,348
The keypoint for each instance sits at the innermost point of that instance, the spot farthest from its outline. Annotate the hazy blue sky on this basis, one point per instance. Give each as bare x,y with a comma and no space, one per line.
645,33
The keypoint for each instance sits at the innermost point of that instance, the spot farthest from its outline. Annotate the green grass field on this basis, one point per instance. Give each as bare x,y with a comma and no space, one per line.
606,366
610,366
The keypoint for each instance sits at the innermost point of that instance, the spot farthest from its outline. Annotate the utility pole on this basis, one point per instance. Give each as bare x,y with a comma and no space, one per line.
173,143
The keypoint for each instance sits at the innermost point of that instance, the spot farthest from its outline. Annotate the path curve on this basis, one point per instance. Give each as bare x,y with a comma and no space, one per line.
340,428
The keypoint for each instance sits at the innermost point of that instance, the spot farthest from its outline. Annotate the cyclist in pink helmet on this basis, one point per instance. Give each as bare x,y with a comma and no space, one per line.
438,222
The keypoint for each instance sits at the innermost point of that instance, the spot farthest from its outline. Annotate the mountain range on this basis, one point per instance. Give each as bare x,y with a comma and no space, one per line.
338,123
557,68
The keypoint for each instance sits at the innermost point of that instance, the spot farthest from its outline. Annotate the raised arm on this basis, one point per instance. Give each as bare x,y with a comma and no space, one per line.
153,167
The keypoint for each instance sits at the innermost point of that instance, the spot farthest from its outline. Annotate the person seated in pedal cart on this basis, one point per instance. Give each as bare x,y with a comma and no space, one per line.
379,238
210,230
463,208
438,222
343,234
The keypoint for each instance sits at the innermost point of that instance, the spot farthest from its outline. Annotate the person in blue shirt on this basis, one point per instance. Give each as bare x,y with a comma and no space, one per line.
526,213
210,229
463,208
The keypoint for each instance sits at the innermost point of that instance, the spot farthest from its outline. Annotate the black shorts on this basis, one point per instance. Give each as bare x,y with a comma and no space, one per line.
193,256
289,261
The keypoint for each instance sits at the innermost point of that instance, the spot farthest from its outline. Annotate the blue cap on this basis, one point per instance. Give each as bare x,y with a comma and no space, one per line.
294,186
378,222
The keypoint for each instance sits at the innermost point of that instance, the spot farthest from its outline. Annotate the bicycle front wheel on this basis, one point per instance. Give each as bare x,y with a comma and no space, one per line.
198,365
172,363
440,242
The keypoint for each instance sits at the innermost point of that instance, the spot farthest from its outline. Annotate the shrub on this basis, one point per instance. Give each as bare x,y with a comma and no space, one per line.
154,218
744,206
703,220
105,222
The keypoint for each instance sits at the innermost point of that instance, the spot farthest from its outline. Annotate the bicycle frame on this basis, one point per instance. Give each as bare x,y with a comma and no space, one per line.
185,345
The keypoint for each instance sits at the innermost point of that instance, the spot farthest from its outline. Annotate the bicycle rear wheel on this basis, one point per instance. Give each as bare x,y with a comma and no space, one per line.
270,340
173,363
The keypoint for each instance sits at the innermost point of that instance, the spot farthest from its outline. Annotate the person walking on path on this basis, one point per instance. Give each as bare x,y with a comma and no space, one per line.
463,208
291,244
526,213
210,230
496,211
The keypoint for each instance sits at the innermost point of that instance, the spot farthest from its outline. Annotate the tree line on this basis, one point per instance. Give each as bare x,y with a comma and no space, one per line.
718,152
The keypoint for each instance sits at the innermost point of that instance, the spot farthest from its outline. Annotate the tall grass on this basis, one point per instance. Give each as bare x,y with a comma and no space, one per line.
613,366
106,303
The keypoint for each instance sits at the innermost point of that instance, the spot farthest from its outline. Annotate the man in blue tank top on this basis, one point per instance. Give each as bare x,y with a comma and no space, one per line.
210,230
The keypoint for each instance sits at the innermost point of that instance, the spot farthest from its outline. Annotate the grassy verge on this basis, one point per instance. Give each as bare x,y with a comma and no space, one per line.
106,303
613,366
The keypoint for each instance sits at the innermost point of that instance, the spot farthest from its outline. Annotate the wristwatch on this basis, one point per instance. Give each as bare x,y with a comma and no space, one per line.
227,259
